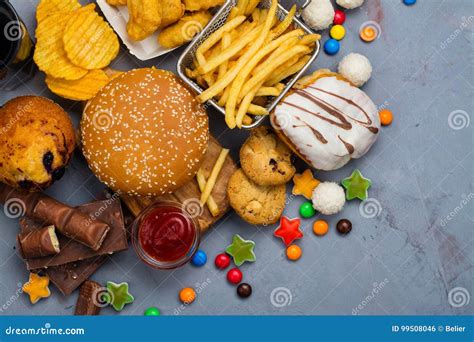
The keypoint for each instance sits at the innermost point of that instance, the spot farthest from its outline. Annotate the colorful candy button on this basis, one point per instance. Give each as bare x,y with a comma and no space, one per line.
241,250
187,295
307,210
386,117
337,32
293,252
344,226
339,17
369,31
289,230
331,47
244,290
37,287
152,311
304,184
118,295
320,227
409,2
222,261
199,258
356,186
234,276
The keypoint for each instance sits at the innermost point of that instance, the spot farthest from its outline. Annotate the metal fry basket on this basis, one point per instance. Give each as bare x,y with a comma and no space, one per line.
186,59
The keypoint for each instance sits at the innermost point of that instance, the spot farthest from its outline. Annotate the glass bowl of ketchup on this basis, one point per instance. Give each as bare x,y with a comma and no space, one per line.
165,236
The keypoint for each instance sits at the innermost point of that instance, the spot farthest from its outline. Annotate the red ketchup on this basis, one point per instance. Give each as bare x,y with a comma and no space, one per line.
166,234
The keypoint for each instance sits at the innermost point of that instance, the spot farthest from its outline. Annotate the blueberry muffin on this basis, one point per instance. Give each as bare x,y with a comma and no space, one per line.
36,142
265,159
254,203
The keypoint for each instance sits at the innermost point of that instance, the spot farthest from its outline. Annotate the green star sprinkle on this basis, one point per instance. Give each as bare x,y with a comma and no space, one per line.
356,186
118,295
241,250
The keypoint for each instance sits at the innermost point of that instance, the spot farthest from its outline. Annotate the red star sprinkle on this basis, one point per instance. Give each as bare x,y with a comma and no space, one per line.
289,230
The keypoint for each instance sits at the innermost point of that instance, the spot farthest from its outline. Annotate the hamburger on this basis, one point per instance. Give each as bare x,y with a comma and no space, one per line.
144,133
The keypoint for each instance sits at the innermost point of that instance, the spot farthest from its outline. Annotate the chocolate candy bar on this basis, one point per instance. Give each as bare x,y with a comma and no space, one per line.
38,243
108,211
69,221
88,300
69,277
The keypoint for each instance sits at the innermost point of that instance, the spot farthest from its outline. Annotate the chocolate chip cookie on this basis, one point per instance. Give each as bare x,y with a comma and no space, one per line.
256,204
265,159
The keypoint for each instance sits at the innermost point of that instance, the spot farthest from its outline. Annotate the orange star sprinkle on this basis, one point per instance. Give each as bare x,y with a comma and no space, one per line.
304,184
37,287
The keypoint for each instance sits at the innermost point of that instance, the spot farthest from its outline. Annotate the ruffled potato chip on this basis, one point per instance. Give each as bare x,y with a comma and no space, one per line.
50,55
48,7
89,41
82,89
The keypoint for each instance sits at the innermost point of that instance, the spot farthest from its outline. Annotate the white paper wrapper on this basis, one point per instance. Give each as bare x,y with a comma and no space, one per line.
118,17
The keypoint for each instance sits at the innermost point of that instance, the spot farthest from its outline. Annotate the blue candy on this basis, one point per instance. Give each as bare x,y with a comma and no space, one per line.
331,46
199,259
409,2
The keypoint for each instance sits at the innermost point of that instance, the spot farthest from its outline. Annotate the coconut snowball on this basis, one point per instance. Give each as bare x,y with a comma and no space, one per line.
319,14
350,4
356,68
329,198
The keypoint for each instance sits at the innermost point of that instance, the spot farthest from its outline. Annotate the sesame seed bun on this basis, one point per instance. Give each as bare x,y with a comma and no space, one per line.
144,133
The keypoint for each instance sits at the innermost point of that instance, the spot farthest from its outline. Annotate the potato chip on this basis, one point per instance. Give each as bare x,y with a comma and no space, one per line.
82,89
49,52
89,41
48,7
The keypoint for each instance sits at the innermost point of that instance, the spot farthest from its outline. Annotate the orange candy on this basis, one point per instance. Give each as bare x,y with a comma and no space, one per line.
304,184
293,252
187,295
368,34
386,117
320,227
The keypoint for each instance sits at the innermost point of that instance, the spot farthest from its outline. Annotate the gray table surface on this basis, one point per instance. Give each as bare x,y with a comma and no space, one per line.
415,257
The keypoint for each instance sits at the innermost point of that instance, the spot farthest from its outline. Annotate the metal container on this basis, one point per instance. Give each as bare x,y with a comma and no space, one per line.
186,59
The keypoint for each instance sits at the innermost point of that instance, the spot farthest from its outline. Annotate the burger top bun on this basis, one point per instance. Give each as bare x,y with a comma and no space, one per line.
144,133
327,120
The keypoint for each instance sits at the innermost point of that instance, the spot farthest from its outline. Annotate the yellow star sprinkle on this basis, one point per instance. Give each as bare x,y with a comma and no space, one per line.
304,184
37,287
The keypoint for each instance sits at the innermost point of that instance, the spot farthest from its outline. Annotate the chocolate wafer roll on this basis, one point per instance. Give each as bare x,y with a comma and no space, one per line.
87,302
38,243
68,221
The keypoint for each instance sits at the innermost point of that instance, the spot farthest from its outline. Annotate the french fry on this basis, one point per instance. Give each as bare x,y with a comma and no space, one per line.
216,36
247,120
232,73
225,95
283,26
225,43
211,203
245,72
214,174
228,53
245,104
257,110
288,71
272,65
268,91
242,6
233,13
251,7
309,39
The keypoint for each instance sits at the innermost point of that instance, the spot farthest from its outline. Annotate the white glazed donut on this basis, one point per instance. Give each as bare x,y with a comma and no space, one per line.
327,122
